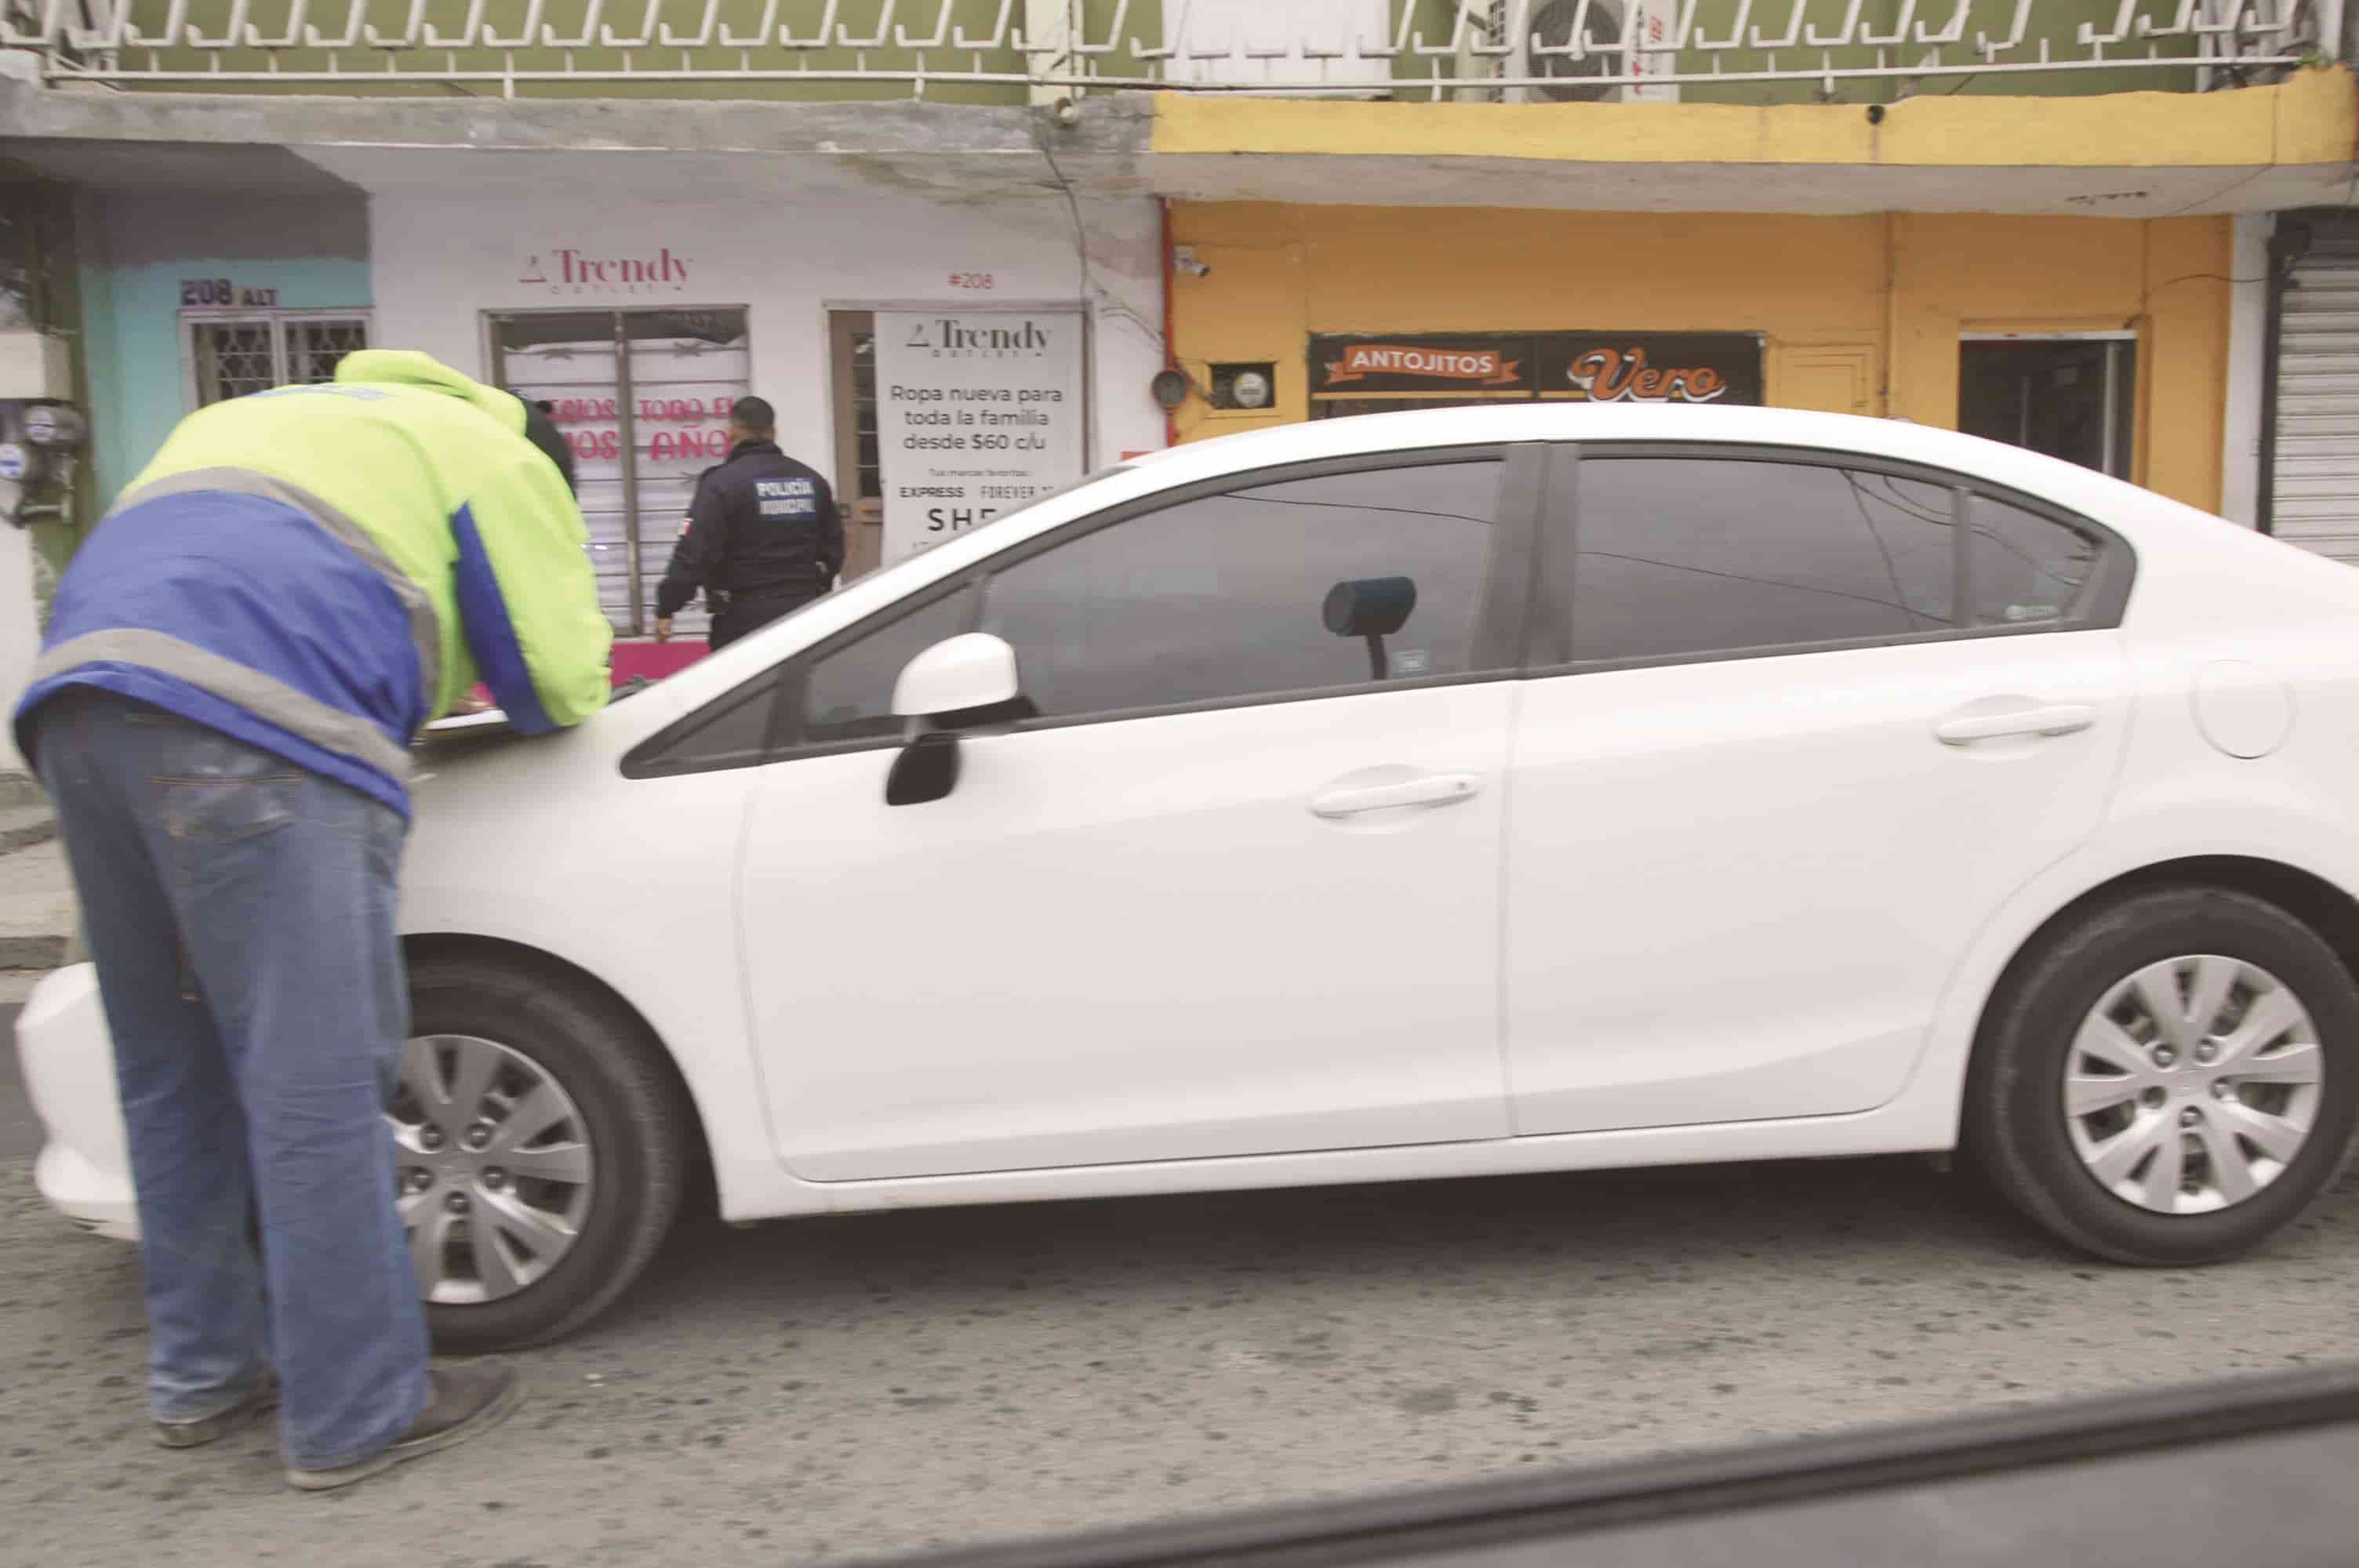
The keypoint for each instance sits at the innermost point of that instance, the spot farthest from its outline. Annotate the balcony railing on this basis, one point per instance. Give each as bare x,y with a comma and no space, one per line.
1032,50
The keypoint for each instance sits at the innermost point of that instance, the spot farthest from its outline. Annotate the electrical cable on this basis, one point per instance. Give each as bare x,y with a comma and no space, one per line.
1091,292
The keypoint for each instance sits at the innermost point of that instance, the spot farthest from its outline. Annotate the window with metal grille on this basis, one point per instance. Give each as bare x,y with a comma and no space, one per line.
232,355
314,348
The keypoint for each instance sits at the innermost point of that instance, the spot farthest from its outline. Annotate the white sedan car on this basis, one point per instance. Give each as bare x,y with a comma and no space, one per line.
1439,794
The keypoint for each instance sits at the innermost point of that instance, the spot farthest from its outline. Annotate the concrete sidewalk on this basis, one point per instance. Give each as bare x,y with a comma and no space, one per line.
39,922
39,918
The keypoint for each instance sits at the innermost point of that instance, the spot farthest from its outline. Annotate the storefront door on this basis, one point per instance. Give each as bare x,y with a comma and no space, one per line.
2072,397
643,397
859,486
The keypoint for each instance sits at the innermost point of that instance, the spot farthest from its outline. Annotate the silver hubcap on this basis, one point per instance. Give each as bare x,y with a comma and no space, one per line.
492,1168
2193,1084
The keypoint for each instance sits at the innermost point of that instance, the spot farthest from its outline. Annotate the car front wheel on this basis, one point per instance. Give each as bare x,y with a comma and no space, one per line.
2170,1080
539,1153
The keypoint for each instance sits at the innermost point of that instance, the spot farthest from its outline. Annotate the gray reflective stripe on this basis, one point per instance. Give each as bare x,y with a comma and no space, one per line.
273,701
425,626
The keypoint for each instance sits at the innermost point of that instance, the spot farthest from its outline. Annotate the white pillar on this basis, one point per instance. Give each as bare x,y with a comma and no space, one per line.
2248,309
20,632
1049,48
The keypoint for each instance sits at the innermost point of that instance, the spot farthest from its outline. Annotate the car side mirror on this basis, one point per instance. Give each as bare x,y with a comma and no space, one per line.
956,676
959,681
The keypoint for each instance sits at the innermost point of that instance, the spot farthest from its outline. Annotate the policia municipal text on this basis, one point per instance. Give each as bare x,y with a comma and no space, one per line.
764,534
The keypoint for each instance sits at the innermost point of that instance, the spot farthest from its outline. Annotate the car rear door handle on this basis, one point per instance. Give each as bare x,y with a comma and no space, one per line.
2056,718
1430,789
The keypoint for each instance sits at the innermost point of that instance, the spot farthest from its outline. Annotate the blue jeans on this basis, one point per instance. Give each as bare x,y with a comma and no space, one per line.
241,912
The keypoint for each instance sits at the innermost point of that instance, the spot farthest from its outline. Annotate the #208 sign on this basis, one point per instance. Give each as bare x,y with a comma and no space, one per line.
977,414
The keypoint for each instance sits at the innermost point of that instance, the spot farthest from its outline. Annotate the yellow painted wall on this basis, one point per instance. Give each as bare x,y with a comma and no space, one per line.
1860,314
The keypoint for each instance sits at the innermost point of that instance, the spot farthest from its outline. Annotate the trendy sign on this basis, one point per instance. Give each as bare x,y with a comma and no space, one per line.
976,415
1597,367
567,270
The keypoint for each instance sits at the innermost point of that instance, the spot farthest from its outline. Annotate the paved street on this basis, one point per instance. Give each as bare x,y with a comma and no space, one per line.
859,1384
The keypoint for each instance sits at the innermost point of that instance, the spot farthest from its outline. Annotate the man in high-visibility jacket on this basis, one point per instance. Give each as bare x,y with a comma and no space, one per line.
238,662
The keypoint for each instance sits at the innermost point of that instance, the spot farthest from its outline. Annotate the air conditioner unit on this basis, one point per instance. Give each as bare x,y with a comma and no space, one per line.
1495,46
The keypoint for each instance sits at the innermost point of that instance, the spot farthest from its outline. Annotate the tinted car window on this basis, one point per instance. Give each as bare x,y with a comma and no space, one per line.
1913,525
1680,556
1229,595
734,731
848,694
2025,568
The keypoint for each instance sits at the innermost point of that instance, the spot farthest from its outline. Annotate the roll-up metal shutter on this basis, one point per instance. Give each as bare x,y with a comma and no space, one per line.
2314,472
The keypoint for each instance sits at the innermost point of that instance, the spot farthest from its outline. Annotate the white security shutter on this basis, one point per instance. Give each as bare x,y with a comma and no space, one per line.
643,397
2315,497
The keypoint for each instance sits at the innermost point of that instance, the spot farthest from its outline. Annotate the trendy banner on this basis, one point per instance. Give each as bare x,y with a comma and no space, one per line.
976,415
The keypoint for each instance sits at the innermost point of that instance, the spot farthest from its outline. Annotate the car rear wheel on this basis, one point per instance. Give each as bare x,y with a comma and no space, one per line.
2170,1080
539,1150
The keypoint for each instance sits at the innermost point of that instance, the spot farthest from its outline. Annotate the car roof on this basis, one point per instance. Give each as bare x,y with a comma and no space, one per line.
2206,546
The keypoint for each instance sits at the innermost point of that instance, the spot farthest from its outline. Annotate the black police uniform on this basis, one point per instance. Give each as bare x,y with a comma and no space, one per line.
764,537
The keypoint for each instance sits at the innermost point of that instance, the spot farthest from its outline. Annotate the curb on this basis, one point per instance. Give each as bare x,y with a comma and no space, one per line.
29,834
34,952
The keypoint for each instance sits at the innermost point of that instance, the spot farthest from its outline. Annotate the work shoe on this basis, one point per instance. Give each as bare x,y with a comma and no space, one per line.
464,1402
212,1428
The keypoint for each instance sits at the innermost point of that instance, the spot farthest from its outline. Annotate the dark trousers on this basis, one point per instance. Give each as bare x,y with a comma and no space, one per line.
751,612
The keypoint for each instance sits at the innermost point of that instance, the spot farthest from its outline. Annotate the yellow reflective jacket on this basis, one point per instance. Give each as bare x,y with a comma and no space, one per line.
321,570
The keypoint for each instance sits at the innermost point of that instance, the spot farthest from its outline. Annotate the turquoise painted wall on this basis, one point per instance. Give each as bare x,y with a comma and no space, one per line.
139,386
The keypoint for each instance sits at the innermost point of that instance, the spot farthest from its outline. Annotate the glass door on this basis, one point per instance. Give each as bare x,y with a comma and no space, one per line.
860,486
643,397
2073,397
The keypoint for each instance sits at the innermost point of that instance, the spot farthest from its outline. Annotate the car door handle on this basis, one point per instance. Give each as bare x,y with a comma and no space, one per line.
2057,719
1430,789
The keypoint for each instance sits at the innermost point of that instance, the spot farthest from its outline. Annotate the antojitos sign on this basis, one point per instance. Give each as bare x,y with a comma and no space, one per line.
1360,361
1600,367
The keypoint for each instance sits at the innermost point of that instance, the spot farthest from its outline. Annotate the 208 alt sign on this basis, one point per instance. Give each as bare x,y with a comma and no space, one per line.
976,415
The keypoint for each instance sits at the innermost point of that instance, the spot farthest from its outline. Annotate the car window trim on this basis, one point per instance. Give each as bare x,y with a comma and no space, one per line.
650,759
787,681
786,731
1515,521
2099,606
1516,510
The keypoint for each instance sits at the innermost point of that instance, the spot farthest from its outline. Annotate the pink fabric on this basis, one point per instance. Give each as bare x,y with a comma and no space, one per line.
653,660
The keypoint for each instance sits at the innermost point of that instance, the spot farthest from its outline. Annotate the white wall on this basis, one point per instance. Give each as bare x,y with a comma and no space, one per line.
20,633
443,256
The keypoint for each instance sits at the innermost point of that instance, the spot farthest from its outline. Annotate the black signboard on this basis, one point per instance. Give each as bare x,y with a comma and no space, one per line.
1604,367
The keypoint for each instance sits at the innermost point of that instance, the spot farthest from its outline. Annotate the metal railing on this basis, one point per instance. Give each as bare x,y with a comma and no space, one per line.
1450,49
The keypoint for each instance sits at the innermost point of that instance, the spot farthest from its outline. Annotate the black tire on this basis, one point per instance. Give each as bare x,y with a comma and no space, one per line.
639,1128
2016,1130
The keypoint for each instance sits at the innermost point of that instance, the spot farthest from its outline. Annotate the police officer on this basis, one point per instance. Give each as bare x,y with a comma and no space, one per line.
764,535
